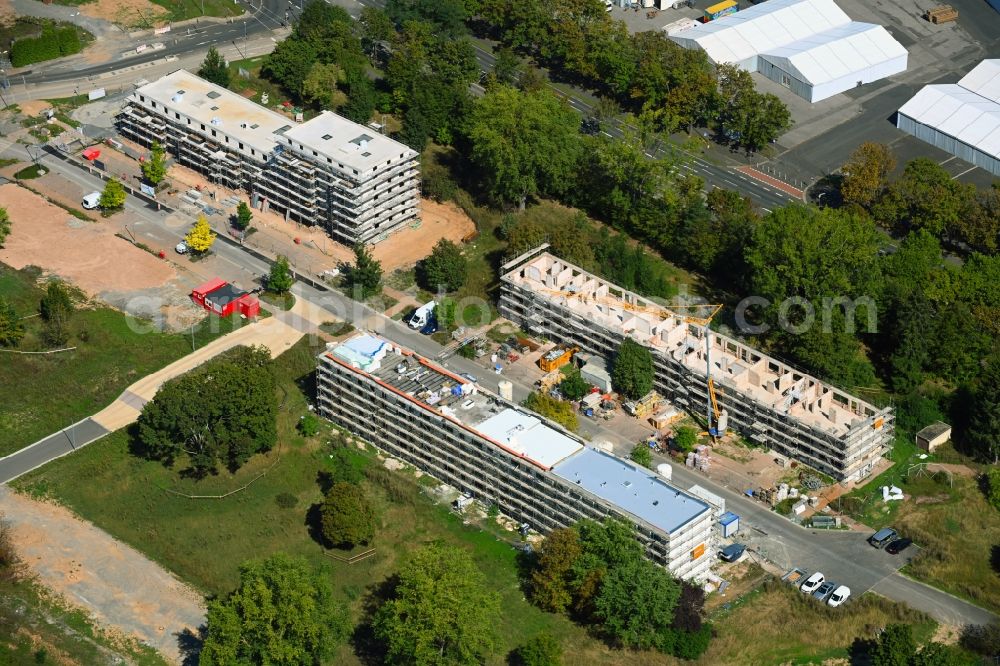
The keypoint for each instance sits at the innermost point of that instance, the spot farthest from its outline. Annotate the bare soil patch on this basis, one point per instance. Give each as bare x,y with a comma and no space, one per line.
126,12
408,246
119,586
84,253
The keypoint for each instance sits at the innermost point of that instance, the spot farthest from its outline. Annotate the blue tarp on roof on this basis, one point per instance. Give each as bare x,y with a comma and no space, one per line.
365,345
995,4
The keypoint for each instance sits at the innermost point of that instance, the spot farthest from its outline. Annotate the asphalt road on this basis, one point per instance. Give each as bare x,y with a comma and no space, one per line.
54,446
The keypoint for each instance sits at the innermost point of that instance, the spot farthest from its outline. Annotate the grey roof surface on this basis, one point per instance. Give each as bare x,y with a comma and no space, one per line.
529,436
934,430
347,143
636,491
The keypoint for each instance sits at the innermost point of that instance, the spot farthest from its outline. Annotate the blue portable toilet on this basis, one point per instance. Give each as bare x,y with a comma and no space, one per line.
729,524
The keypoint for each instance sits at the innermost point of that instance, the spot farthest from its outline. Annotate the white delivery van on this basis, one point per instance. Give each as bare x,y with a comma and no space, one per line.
420,318
92,200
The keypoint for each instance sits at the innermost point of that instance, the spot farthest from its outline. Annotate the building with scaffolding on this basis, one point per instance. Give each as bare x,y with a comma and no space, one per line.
475,441
765,400
328,171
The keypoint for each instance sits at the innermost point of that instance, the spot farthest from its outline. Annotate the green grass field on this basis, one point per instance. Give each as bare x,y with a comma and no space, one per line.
181,10
41,394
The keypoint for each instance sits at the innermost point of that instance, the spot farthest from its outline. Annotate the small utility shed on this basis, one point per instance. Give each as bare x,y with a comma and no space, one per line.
595,372
224,299
933,436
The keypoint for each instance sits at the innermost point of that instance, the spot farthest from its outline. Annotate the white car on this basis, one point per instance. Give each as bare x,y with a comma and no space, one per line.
812,583
181,248
92,200
839,596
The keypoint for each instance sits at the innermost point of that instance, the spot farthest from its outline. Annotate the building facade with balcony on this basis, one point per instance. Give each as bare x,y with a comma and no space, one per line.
504,455
328,171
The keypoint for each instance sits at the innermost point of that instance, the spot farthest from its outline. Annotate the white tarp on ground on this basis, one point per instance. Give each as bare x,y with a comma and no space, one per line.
813,41
968,111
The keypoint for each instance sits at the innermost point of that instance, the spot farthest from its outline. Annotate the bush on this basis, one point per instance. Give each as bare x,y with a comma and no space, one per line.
309,425
642,455
286,500
346,517
993,487
52,43
542,650
686,438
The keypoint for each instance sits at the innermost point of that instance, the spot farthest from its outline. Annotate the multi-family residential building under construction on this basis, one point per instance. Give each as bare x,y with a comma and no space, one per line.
328,171
493,450
765,400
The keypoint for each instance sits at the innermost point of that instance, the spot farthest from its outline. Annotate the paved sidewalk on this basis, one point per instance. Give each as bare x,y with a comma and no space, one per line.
772,181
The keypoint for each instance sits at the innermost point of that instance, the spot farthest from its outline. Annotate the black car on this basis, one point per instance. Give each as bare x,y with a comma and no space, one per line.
590,126
898,546
732,552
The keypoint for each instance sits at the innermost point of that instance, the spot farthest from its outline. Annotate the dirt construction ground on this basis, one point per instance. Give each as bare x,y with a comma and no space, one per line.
90,256
408,246
117,585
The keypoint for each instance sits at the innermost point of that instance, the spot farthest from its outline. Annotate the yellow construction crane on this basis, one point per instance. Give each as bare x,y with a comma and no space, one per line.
712,412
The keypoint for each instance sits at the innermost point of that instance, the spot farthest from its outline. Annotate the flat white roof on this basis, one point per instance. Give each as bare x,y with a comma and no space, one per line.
343,141
529,436
968,110
812,39
217,108
636,490
838,52
762,27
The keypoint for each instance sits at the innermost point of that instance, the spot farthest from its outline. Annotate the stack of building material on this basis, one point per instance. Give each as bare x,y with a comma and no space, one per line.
941,14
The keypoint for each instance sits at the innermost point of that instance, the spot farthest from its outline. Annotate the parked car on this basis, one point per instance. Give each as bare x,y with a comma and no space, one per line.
825,590
181,248
431,327
839,596
813,582
471,378
898,546
881,538
732,552
92,200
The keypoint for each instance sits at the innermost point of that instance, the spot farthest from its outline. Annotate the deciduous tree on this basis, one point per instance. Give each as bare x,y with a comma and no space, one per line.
280,279
866,173
283,613
445,268
551,579
632,369
244,215
554,409
525,143
894,647
221,413
441,611
155,168
200,237
636,604
542,650
321,86
574,386
346,516
214,68
686,438
364,277
11,329
4,225
642,455
113,196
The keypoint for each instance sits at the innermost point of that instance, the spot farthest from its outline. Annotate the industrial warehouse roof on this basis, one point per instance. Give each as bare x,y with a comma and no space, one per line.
815,37
638,491
529,436
968,110
342,142
837,52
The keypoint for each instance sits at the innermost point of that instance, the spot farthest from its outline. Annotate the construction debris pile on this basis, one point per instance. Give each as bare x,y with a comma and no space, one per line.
700,458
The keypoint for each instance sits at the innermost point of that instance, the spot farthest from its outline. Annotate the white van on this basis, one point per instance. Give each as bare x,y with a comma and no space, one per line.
92,200
608,5
422,315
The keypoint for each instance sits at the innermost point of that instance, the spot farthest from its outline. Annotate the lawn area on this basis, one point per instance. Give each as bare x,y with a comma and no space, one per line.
779,625
41,394
204,541
36,629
